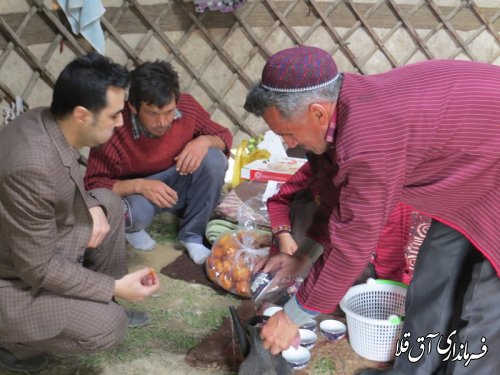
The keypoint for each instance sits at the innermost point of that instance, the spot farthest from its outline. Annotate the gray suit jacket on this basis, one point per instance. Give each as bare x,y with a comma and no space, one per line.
45,226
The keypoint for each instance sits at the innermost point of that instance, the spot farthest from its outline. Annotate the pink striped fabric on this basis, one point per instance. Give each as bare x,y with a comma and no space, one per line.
389,258
278,206
426,134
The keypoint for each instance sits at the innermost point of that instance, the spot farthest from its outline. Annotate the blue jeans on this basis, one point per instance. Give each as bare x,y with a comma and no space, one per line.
198,194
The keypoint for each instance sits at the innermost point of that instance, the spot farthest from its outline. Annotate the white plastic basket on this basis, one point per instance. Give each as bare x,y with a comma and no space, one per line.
373,311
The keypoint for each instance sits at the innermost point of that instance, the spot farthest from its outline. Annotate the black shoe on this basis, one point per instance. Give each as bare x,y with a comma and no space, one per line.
137,318
33,364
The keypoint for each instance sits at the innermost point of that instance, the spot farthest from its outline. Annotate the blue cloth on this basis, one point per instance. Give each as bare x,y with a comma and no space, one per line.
84,18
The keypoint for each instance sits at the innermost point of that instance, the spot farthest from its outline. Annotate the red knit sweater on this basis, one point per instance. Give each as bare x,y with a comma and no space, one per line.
123,157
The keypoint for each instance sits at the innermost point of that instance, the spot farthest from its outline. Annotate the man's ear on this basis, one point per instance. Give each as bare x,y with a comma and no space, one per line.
82,115
320,113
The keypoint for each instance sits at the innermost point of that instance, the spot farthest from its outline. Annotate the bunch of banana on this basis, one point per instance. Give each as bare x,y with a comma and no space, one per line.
247,152
253,142
252,152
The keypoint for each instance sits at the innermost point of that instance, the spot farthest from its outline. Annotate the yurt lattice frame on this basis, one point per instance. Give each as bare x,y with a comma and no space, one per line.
219,55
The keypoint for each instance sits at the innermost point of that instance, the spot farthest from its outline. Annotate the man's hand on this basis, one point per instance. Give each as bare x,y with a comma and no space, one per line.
100,226
284,267
190,158
287,244
279,333
137,285
158,192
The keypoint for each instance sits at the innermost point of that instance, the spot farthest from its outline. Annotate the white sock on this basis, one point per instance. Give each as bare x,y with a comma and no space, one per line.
140,240
197,252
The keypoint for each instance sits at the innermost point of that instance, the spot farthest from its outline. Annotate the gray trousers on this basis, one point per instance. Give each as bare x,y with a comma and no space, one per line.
198,195
94,325
454,288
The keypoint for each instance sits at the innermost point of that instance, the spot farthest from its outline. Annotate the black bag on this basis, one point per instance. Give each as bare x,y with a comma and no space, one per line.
258,361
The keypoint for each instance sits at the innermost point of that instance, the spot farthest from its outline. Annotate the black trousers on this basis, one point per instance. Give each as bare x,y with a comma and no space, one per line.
454,288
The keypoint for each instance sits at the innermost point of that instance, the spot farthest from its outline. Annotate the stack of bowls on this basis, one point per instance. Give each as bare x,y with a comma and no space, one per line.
300,357
311,325
307,338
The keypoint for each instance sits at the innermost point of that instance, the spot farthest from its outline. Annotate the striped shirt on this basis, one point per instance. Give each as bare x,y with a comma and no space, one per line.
389,258
124,157
426,134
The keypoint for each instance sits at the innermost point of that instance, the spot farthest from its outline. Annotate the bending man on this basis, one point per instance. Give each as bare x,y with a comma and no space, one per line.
427,135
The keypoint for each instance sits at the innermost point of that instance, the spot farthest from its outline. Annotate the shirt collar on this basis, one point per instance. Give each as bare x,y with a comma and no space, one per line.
82,160
332,127
330,133
138,129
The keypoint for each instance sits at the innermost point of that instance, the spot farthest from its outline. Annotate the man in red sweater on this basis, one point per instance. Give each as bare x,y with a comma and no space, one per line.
168,156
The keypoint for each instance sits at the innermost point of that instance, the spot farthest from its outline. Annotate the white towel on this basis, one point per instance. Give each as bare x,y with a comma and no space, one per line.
84,18
14,110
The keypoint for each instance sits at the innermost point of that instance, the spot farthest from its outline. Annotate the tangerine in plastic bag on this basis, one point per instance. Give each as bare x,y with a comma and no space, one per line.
233,257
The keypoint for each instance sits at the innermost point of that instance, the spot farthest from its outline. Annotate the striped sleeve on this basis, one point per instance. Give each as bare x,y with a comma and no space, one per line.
351,234
278,206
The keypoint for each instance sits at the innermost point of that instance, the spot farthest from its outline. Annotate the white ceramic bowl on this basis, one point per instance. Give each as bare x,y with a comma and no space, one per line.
311,325
297,358
307,338
332,329
270,311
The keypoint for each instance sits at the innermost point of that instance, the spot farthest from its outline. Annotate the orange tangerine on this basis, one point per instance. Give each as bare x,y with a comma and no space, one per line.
243,288
211,273
241,273
225,282
218,251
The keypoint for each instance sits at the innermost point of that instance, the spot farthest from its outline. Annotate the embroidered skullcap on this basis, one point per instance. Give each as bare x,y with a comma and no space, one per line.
299,69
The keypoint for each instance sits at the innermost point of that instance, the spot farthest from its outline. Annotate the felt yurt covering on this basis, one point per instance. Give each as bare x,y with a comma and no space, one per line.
218,55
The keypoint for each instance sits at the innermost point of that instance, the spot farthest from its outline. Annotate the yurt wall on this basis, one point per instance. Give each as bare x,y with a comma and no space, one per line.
218,55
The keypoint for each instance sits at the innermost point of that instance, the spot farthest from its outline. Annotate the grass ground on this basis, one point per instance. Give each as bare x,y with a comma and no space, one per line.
180,318
181,315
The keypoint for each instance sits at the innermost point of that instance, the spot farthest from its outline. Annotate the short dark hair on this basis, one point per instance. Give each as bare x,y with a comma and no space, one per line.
84,82
155,83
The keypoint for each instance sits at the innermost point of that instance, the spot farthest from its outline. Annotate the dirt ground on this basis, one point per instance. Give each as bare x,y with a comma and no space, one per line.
327,358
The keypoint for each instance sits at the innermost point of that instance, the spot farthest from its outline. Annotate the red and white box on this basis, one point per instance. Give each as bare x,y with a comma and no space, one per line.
278,170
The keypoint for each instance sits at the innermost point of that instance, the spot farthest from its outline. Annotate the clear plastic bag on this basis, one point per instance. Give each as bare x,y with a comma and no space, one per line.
252,213
267,289
233,258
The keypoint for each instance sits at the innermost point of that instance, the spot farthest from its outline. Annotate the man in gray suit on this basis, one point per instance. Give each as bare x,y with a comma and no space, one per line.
62,250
